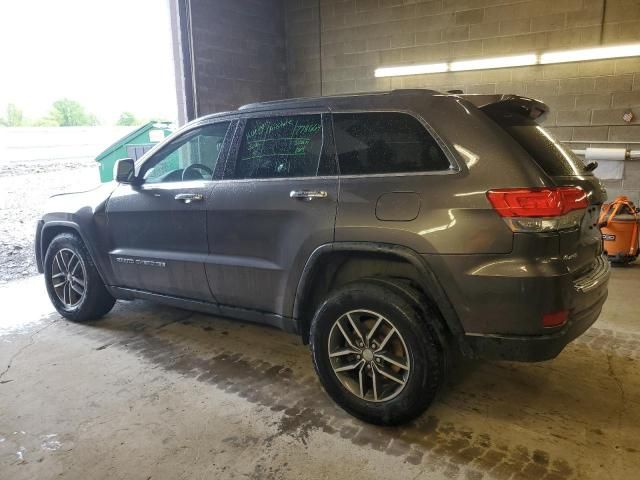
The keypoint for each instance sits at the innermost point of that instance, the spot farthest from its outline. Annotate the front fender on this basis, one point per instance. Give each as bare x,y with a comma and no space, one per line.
84,214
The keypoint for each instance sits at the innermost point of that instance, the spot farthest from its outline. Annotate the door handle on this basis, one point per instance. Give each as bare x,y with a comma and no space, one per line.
307,195
189,197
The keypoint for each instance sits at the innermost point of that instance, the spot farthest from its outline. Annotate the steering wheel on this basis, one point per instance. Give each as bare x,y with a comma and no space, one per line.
196,167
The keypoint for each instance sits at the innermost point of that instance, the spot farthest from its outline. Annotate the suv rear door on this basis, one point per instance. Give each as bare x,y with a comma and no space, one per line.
275,205
579,247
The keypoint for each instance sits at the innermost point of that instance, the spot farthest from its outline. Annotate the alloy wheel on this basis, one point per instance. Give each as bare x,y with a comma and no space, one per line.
68,277
368,355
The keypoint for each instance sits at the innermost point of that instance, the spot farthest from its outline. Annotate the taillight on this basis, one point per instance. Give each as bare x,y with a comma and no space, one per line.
555,319
537,202
539,209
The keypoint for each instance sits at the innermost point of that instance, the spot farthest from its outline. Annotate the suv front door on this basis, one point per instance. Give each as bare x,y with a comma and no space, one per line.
275,205
158,225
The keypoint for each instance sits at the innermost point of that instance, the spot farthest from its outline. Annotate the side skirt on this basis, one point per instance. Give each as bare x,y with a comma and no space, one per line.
237,313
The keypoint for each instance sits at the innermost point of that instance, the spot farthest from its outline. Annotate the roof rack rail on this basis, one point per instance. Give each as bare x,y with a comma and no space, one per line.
343,95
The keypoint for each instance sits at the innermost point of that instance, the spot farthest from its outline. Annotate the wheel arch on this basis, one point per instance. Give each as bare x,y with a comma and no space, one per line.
332,265
52,229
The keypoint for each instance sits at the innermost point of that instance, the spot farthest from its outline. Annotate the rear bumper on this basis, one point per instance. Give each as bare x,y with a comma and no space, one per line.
537,348
501,303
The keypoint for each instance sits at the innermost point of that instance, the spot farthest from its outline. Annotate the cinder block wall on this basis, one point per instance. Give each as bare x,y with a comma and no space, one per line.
334,46
238,51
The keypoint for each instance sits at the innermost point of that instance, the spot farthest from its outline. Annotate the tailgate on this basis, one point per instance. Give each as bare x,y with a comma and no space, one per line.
579,247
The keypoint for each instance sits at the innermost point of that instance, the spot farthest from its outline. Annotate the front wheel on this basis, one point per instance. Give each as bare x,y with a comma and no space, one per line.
375,354
73,282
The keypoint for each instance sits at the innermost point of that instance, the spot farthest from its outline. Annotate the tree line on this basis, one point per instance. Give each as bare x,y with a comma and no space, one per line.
64,113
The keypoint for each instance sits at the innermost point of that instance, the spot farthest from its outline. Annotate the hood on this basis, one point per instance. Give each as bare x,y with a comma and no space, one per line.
70,203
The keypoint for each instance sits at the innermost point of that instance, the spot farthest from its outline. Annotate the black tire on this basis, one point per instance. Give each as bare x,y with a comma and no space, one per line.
96,301
426,311
423,351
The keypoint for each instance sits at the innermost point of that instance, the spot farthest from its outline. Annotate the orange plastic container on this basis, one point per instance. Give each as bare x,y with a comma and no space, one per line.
619,223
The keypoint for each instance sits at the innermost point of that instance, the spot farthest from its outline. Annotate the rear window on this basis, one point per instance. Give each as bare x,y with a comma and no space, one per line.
385,142
548,152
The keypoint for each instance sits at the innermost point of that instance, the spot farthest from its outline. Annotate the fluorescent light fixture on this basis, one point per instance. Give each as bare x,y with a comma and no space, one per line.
411,70
496,62
598,53
582,55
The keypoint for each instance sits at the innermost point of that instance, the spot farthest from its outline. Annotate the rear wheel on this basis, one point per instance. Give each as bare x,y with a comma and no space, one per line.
375,354
73,282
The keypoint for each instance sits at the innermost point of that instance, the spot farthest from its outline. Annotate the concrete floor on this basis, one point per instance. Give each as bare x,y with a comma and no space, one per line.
152,392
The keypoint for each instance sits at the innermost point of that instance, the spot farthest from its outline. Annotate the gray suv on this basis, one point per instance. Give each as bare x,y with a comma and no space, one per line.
388,230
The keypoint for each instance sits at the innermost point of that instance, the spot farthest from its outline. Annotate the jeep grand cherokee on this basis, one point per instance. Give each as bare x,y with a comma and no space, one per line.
385,229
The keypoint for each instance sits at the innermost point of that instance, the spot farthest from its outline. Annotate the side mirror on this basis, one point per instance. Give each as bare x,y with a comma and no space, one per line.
124,170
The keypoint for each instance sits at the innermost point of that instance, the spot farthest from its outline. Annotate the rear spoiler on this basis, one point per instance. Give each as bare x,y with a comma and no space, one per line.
528,107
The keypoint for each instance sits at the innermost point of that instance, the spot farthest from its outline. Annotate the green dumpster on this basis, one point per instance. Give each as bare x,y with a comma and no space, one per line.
132,145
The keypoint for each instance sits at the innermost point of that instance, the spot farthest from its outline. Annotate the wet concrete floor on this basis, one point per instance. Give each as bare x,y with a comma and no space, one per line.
151,392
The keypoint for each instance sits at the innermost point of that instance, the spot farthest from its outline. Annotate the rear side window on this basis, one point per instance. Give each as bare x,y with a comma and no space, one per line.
385,142
548,152
278,147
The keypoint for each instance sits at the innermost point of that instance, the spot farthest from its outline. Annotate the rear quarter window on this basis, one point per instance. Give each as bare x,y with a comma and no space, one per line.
555,159
385,142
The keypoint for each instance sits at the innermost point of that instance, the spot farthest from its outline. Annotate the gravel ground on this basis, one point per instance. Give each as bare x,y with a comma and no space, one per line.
24,189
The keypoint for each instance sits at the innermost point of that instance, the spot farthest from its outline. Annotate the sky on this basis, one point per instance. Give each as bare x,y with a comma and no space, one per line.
110,55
